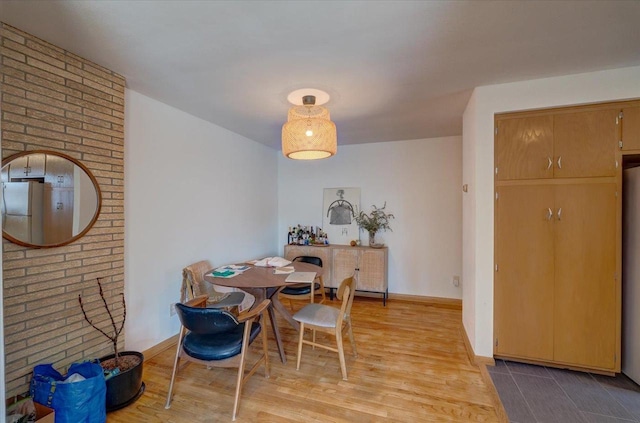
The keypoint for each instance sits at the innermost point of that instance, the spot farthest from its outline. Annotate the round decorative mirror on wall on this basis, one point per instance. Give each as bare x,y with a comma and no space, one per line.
49,199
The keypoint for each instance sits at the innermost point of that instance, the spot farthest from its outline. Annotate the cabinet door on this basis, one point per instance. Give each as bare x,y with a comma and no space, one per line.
37,165
373,270
585,283
31,166
57,216
345,261
585,143
293,251
524,148
59,172
524,295
631,128
19,168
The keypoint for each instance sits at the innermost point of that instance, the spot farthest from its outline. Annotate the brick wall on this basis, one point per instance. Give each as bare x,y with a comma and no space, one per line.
55,100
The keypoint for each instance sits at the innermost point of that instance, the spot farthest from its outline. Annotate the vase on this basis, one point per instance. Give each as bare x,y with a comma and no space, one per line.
372,238
126,387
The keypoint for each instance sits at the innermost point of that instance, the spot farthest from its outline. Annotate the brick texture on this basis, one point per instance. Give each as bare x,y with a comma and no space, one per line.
55,100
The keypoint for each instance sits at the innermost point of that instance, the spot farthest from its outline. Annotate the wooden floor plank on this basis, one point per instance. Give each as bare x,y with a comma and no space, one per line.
412,366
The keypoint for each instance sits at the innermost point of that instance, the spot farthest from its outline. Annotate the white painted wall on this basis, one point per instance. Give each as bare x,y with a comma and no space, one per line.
193,191
421,182
468,221
478,167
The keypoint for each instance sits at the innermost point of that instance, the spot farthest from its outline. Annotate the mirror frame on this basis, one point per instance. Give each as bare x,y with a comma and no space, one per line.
86,170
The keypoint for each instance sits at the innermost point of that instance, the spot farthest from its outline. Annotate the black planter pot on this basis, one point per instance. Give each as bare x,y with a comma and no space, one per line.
126,387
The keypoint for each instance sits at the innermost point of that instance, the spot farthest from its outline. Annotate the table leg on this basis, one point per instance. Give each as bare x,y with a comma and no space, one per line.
276,334
261,294
284,312
272,294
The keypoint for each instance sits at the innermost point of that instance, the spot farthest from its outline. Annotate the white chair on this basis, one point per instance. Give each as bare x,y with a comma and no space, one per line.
332,320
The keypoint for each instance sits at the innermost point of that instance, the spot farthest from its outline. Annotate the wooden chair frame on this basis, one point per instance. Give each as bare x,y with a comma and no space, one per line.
194,285
237,361
321,290
346,293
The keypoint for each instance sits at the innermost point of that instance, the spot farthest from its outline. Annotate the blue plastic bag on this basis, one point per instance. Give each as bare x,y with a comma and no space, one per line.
74,402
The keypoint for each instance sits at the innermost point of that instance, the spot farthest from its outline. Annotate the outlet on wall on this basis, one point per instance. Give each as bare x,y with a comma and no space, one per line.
172,309
456,281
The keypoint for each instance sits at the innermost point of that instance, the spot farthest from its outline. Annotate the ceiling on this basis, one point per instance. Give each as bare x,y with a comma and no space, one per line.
395,70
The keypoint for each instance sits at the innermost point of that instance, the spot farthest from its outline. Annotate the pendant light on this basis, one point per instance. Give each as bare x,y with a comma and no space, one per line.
309,133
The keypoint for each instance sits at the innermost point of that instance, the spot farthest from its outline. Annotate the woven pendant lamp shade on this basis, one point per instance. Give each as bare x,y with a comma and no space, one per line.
309,133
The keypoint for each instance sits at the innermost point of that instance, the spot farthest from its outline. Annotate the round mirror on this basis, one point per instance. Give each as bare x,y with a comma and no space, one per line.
49,199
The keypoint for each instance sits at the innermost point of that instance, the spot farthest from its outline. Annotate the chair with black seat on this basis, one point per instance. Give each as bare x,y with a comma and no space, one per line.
194,285
303,291
216,338
328,319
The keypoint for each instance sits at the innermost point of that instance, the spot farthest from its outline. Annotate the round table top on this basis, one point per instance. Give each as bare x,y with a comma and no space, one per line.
261,277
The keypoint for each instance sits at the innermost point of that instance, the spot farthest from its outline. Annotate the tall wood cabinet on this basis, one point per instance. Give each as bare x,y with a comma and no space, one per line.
557,237
341,261
630,128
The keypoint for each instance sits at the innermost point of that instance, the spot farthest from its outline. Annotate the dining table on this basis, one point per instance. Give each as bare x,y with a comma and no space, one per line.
264,283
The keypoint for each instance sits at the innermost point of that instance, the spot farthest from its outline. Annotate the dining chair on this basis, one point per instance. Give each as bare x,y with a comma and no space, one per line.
193,285
328,319
303,291
217,338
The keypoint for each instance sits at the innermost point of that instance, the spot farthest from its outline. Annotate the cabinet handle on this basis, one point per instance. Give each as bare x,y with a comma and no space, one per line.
550,163
560,213
559,162
549,213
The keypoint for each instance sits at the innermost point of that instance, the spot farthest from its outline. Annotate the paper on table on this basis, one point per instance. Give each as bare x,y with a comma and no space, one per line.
283,270
233,267
272,262
301,277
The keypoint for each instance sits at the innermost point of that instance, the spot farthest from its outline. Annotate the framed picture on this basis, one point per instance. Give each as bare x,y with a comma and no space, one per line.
340,206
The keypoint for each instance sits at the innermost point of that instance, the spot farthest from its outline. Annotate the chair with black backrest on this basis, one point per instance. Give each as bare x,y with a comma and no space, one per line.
303,291
217,338
194,285
328,319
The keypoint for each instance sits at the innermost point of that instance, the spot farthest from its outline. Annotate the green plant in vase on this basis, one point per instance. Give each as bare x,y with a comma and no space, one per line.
377,220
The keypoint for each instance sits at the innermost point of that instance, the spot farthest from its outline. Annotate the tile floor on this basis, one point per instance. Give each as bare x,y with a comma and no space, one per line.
543,394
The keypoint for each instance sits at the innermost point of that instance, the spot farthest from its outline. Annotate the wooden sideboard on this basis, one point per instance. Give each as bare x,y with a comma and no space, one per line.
341,261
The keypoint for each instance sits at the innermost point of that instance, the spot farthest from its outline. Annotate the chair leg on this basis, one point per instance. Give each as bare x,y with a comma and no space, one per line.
265,348
351,338
343,364
300,345
236,399
175,369
322,289
324,296
243,353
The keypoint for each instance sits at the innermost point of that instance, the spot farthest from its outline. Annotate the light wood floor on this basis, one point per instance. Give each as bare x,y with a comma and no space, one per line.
411,367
